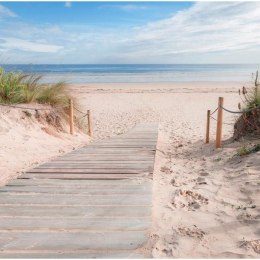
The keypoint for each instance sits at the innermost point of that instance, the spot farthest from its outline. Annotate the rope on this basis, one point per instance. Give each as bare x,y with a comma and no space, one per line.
214,111
240,112
223,122
77,119
80,111
36,109
28,108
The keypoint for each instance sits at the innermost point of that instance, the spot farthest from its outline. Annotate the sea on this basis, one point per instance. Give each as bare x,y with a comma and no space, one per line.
138,73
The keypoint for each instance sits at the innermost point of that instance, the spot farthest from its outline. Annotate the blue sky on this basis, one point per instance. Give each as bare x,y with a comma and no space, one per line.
129,32
116,14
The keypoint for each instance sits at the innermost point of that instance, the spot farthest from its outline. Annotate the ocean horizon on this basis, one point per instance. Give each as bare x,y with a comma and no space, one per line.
138,73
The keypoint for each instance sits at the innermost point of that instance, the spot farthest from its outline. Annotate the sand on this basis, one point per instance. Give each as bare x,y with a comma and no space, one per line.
27,141
206,201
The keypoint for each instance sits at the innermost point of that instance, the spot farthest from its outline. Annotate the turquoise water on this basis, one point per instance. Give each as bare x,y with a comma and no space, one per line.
109,73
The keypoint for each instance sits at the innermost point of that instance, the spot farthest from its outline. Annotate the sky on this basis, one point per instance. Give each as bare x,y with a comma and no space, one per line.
129,32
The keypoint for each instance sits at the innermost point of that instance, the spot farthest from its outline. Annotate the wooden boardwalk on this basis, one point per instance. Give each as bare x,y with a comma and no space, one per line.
94,202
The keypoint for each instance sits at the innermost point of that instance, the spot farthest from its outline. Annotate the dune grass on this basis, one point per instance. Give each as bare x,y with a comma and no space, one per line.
253,97
18,88
248,124
247,149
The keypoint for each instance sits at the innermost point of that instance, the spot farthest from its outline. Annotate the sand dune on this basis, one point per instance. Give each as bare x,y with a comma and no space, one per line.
27,141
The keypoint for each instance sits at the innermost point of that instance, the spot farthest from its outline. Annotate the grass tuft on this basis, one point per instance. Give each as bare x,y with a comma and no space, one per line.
245,149
16,88
54,95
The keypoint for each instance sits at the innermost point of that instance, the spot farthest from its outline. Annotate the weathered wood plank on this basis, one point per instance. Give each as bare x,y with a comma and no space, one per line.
142,166
74,223
72,241
84,254
88,184
78,176
6,192
91,171
107,162
139,199
82,211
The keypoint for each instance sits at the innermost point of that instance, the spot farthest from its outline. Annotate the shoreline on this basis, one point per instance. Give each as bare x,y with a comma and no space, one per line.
169,85
183,87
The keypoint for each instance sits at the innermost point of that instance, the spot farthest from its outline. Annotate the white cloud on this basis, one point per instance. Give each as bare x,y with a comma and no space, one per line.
206,32
5,12
203,28
24,45
68,4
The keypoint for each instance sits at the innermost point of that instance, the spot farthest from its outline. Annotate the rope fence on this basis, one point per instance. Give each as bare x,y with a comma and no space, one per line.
222,122
71,115
241,112
219,120
84,114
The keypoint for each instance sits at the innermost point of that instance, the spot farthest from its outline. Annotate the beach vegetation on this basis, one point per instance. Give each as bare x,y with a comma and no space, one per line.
248,124
247,149
54,95
18,88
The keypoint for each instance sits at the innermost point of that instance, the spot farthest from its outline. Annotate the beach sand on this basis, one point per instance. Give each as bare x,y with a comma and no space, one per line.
205,202
27,141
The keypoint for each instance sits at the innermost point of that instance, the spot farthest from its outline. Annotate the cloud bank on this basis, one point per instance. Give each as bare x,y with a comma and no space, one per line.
207,32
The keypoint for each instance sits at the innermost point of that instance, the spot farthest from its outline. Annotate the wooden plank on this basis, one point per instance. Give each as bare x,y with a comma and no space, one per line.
72,241
78,184
124,149
65,254
94,162
74,223
79,211
98,198
88,184
140,166
78,176
104,157
91,171
68,190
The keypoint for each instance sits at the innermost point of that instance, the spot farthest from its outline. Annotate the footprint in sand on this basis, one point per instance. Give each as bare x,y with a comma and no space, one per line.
176,184
166,170
194,232
194,195
254,244
188,199
201,181
248,218
204,173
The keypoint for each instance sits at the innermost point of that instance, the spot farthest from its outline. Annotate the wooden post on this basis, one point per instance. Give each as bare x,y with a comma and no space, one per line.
71,117
89,124
208,127
219,122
